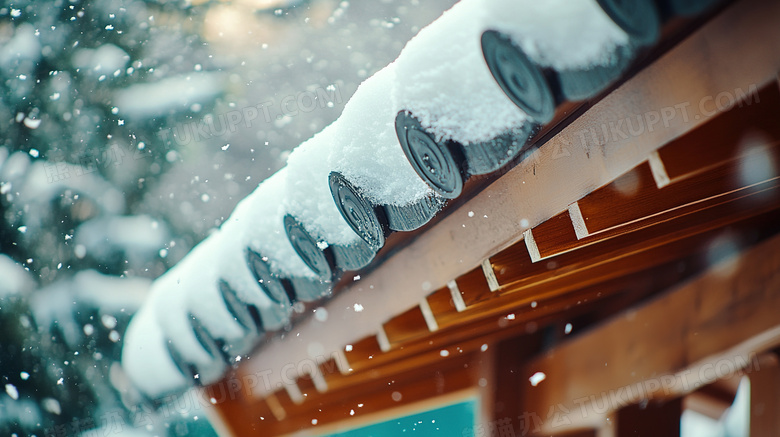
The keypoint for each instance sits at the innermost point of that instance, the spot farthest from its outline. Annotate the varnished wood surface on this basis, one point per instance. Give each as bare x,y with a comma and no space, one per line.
712,318
765,396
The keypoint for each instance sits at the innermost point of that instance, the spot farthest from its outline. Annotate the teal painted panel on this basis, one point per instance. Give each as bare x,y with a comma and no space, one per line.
449,420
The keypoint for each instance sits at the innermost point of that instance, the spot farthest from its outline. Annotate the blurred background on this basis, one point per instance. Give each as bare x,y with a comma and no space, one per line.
129,130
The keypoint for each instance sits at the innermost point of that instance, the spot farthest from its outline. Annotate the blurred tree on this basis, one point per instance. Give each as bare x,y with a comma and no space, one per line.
98,100
73,174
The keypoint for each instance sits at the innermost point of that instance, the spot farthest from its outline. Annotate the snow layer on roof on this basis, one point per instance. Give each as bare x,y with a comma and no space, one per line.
308,195
363,146
145,358
257,221
171,300
192,286
443,79
563,34
235,270
368,153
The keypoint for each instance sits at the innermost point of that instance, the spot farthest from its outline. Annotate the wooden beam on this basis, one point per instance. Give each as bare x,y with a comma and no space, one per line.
650,420
374,398
369,362
474,287
714,399
383,340
510,356
727,135
490,276
511,315
406,326
660,175
430,319
616,270
578,221
669,346
456,296
765,397
635,196
515,269
608,428
556,236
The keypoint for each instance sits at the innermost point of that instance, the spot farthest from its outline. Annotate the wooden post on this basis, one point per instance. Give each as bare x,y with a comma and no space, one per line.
511,383
650,420
765,397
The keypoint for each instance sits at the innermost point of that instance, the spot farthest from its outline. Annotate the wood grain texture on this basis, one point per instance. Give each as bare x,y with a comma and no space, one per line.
639,198
555,237
680,329
406,326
